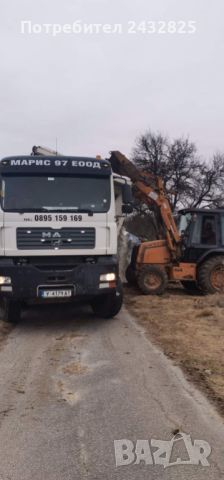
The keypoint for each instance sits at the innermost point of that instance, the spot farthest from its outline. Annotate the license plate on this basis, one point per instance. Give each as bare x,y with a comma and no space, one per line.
55,293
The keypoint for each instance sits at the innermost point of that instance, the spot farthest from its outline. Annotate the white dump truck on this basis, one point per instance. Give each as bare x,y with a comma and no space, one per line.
59,219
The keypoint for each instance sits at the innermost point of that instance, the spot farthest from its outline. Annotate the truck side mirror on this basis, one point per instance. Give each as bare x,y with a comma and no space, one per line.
127,198
127,194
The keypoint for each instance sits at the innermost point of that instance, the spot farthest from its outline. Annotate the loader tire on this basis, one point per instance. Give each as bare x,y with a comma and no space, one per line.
109,304
131,276
152,280
190,286
211,275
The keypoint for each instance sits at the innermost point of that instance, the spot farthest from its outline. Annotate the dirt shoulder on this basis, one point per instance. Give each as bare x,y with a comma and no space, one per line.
190,330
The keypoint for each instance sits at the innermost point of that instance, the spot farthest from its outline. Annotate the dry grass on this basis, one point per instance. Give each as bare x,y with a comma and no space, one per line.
190,330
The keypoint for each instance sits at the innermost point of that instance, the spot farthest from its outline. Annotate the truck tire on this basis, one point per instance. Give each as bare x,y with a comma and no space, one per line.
152,280
109,304
131,276
10,311
190,286
211,275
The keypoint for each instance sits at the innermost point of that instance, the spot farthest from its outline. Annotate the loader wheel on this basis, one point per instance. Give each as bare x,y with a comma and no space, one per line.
131,275
152,280
109,304
10,311
190,286
211,275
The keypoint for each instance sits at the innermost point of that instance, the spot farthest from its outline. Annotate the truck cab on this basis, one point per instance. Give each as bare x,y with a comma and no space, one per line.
58,233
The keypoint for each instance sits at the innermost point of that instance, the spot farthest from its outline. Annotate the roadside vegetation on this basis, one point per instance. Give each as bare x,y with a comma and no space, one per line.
190,330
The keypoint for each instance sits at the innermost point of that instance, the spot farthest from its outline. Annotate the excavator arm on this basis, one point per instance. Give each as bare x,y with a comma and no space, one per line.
150,191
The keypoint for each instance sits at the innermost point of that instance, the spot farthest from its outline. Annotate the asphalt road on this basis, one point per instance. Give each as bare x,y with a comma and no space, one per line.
71,384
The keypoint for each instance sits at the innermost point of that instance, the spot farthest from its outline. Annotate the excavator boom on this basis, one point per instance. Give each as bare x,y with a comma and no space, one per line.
151,192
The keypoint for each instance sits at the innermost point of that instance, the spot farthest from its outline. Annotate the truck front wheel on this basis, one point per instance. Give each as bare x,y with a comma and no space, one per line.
109,304
9,311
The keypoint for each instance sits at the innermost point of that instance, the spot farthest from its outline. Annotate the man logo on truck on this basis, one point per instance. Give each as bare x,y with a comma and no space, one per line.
46,234
54,237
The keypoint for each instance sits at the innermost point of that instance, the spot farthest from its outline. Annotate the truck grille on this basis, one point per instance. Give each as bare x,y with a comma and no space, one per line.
55,239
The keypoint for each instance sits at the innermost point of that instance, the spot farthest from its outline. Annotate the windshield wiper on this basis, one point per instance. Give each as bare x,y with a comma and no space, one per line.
58,209
49,209
86,210
71,209
25,209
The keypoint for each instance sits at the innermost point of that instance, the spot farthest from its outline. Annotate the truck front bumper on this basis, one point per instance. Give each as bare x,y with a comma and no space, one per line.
27,279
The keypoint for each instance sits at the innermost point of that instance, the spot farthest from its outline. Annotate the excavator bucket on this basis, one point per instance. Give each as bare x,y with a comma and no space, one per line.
122,166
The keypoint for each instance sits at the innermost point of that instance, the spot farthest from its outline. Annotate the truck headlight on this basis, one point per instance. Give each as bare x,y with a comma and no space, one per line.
5,280
107,277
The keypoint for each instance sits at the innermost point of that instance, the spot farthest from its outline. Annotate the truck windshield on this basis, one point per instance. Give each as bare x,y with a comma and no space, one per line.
56,193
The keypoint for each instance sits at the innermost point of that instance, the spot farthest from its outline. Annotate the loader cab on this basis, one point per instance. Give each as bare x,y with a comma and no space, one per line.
202,231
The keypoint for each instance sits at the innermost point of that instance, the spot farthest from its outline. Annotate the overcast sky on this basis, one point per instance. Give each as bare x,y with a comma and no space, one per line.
98,92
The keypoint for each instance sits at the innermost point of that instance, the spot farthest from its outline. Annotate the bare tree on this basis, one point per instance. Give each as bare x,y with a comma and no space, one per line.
183,166
207,188
188,181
